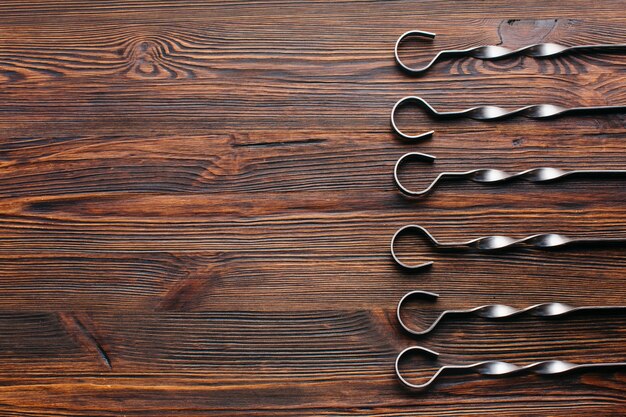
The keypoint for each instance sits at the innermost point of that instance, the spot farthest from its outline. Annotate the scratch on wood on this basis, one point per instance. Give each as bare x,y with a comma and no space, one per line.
72,324
281,143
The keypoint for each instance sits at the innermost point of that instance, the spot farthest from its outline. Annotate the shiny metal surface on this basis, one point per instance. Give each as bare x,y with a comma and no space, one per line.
495,368
492,243
491,311
493,52
491,176
489,113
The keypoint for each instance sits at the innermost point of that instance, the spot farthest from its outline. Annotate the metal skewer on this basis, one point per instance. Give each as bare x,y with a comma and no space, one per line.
492,176
493,243
493,52
492,311
496,368
489,113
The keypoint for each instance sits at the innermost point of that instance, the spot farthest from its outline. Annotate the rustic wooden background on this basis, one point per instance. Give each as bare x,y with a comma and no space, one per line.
197,204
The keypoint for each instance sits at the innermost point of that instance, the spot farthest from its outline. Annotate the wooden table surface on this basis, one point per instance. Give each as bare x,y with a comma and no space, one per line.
197,203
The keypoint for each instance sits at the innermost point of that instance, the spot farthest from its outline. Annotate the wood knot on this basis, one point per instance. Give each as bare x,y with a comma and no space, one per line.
147,58
515,33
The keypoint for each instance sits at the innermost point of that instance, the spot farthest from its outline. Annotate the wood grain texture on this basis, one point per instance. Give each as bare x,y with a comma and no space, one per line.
196,205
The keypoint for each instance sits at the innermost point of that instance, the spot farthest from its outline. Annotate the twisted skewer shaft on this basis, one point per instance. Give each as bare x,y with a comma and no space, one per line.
489,113
491,176
493,311
536,111
496,368
493,243
493,52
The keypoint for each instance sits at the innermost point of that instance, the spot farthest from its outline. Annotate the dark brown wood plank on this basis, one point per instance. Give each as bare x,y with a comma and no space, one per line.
196,205
335,362
187,260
